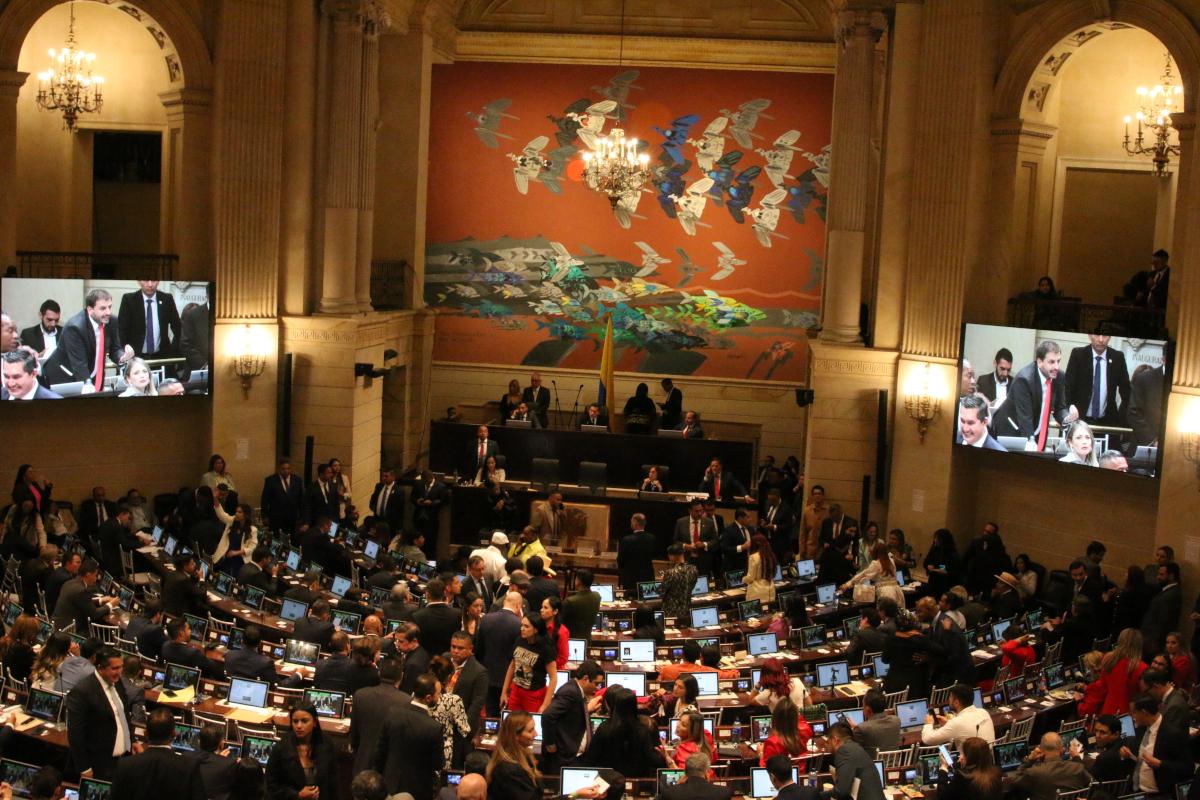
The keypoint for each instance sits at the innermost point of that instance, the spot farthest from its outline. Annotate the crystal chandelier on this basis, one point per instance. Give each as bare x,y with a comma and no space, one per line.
1155,119
69,86
614,168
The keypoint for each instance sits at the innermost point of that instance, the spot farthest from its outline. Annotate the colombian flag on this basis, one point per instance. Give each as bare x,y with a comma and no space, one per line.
608,394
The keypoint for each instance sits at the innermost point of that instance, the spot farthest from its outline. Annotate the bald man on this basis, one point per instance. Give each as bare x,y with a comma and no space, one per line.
472,787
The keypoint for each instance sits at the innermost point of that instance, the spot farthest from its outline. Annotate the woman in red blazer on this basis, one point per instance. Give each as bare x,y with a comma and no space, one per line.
1120,670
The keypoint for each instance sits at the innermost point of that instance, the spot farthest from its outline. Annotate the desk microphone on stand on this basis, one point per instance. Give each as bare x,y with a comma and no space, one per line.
557,407
575,409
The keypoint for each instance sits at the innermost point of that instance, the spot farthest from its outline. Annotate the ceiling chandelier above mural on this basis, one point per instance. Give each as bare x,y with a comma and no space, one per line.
69,86
615,168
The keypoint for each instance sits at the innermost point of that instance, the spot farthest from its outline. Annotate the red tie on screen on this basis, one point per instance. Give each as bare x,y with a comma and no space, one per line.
99,358
1045,418
695,531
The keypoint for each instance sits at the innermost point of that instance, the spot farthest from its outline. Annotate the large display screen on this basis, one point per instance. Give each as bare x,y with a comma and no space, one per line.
89,338
1080,399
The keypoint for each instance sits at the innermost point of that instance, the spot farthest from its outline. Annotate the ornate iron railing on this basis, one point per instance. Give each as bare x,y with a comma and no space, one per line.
1076,317
96,266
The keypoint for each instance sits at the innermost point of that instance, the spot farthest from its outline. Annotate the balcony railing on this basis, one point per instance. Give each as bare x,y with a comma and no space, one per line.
1072,316
389,284
97,266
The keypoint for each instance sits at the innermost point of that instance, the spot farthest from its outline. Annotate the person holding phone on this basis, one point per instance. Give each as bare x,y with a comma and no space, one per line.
967,722
976,778
790,733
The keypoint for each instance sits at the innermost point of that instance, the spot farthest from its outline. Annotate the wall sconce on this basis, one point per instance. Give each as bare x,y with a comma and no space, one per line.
250,361
1189,434
922,400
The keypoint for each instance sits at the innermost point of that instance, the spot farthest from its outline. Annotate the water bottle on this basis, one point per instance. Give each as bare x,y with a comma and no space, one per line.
737,730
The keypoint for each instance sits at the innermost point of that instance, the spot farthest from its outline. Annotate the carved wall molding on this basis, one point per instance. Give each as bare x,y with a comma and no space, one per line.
830,366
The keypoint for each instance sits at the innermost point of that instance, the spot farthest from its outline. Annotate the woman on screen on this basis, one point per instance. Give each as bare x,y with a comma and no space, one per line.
882,574
473,611
489,472
1081,445
760,570
776,686
789,733
510,401
640,411
556,632
138,380
237,542
217,475
303,758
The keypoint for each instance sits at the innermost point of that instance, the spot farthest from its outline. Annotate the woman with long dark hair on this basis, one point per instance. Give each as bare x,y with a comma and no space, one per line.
49,661
626,738
24,533
639,411
16,648
941,563
1133,600
760,570
556,632
217,475
247,781
26,485
645,626
533,669
449,709
900,651
302,764
882,574
689,730
237,542
977,776
473,611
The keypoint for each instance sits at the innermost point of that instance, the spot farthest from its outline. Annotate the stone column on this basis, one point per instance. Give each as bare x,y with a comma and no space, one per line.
343,158
375,22
296,257
849,173
10,89
1183,238
187,219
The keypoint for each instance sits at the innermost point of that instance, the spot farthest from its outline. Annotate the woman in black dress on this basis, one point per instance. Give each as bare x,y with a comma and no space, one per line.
639,411
941,564
302,764
646,627
626,738
900,653
16,648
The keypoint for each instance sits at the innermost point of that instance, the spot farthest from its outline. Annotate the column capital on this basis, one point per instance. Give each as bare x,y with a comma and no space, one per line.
11,83
1184,123
375,19
853,23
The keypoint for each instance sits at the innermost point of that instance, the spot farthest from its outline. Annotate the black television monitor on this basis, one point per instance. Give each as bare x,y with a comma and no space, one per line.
165,356
1119,429
44,705
18,775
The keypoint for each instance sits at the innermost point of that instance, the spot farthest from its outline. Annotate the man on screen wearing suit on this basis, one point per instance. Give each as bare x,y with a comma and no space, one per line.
322,496
387,501
994,386
1094,376
691,426
1145,406
87,338
1037,394
195,340
698,535
973,416
21,378
537,399
282,499
149,322
99,727
43,337
721,484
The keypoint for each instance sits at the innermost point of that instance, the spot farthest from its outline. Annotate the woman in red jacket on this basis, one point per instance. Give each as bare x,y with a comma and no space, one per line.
789,733
1092,698
1183,664
1120,670
1017,651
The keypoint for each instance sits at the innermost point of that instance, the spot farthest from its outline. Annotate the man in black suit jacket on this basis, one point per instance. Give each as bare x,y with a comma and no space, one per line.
1021,414
77,356
115,536
196,339
834,524
282,499
1105,408
1162,616
694,784
249,662
158,771
92,726
973,417
259,572
429,496
309,590
387,501
78,603
592,418
21,370
540,586
479,451
416,658
322,497
1108,764
409,752
495,638
1145,406
471,679
721,484
179,651
160,339
735,542
372,706
672,409
216,770
565,720
537,398
315,627
182,593
635,556
776,525
698,535
94,513
333,674
1001,377
479,581
58,579
691,426
437,620
1171,749
45,333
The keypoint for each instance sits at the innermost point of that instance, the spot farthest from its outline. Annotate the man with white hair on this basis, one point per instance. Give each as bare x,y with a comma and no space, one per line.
1044,773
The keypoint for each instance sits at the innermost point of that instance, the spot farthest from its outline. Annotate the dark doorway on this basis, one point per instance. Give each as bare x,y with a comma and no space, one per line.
126,192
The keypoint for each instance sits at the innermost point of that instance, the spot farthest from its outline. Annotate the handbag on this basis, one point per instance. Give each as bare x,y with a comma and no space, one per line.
864,594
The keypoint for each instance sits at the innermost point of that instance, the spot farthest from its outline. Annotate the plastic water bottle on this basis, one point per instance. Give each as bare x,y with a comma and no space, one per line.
737,731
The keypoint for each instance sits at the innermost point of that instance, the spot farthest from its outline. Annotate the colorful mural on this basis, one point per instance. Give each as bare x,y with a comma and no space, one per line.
713,269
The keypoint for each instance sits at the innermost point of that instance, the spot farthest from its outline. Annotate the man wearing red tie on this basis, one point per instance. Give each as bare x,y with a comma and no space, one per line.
698,535
691,426
479,451
87,339
720,484
1037,394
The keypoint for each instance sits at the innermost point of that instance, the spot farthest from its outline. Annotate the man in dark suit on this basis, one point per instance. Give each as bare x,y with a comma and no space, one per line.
315,627
495,638
429,496
581,607
698,535
196,339
1162,616
1108,764
322,497
672,408
1044,773
149,322
635,556
480,450
44,335
387,501
1172,703
20,371
333,674
721,484
409,752
308,592
158,771
1095,375
78,603
416,658
398,608
537,398
58,579
1145,406
994,385
470,680
973,417
592,418
852,764
282,499
249,662
182,593
779,769
694,784
1165,755
479,582
1029,406
94,513
372,706
735,542
834,524
98,718
115,536
524,413
216,770
867,639
260,572
776,525
437,620
565,732
87,338
179,651
540,586
691,426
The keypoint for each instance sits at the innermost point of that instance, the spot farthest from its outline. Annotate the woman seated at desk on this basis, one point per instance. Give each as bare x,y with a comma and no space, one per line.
489,471
653,483
510,401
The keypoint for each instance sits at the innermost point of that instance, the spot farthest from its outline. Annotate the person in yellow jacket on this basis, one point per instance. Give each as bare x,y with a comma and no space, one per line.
530,545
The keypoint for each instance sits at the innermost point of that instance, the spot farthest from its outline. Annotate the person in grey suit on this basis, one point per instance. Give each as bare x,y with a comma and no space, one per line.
879,730
1172,702
694,784
1044,773
372,706
973,417
851,763
409,751
699,537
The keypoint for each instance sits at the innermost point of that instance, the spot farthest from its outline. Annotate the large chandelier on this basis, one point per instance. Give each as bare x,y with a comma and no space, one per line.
615,168
1154,122
69,86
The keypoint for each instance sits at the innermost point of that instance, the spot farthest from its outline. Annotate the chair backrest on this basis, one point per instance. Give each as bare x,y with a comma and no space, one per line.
220,625
1001,677
105,633
1072,726
545,474
243,728
1020,730
940,697
1103,645
155,584
1032,670
897,758
1053,654
126,561
13,683
869,658
896,697
1114,788
594,475
1079,794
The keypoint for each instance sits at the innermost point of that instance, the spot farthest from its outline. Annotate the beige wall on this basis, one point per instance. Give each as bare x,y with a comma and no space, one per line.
54,168
126,217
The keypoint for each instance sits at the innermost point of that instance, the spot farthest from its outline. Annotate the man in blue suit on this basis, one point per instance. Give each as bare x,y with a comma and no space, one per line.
973,415
282,498
20,368
735,542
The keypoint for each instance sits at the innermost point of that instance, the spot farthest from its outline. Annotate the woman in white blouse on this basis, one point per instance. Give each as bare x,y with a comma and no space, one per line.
489,471
882,574
217,475
775,684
